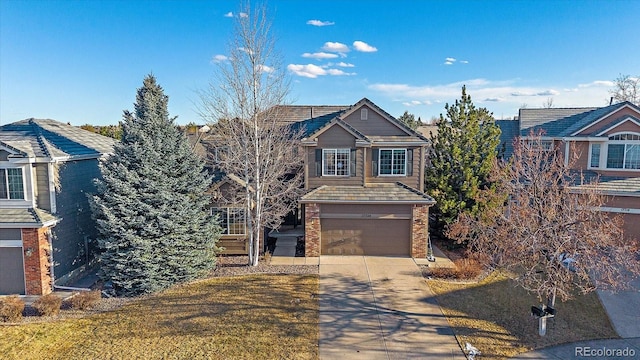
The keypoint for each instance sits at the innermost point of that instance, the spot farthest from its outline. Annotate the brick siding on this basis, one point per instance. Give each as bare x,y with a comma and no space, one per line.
311,230
36,264
419,231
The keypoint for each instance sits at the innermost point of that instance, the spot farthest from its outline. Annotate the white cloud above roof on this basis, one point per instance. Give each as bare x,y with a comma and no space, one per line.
335,47
363,46
319,55
313,71
320,23
244,15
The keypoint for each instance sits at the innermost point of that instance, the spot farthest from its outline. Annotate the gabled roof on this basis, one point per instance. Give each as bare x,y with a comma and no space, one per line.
297,113
564,122
53,139
615,123
337,121
509,130
383,193
609,185
384,114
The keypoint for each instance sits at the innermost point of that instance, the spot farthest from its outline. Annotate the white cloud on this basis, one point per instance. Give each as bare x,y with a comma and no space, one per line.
229,14
319,23
265,69
450,60
335,47
248,51
464,62
363,46
547,93
319,55
219,58
503,98
313,71
344,64
244,15
605,83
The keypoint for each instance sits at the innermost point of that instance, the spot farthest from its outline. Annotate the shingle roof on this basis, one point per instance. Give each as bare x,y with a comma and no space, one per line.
26,217
297,113
613,185
372,193
509,130
562,122
50,138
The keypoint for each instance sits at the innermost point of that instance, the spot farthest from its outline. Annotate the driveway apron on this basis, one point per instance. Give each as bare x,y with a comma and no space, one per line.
380,308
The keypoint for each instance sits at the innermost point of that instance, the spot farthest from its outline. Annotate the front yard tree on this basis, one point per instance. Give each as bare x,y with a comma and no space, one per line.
151,207
551,233
460,161
241,103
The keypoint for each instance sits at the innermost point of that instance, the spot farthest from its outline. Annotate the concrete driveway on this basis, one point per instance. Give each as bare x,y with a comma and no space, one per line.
380,308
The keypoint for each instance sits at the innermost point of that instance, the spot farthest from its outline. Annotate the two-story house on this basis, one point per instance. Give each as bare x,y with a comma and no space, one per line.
46,231
607,143
363,182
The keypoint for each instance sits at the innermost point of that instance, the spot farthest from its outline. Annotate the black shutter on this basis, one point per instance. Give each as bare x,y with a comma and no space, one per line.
374,162
318,162
409,162
352,158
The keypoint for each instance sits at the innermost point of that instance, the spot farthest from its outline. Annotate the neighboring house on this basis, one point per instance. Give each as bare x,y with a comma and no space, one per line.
46,231
607,142
364,182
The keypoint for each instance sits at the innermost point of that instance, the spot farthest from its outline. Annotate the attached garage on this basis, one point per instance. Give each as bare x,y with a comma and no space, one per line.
11,262
379,220
365,237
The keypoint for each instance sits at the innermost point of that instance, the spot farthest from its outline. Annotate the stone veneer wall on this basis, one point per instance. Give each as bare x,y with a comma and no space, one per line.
36,265
419,231
311,230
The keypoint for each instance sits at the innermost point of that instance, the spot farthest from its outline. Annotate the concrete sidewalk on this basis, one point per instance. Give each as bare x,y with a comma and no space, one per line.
380,308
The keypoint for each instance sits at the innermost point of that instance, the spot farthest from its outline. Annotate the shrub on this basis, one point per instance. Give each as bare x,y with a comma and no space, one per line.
464,269
467,268
11,308
48,305
85,299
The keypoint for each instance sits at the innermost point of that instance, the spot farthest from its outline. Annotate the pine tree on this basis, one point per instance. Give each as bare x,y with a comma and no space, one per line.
151,207
461,160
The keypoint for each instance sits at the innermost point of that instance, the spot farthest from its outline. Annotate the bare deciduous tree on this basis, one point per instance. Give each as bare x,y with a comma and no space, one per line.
242,104
626,88
554,237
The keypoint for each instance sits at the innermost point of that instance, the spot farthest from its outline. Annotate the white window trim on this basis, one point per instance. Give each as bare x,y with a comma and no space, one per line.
380,160
364,114
335,153
225,231
604,151
25,197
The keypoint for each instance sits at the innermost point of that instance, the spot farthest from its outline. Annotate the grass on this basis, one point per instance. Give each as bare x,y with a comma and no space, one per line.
246,317
493,315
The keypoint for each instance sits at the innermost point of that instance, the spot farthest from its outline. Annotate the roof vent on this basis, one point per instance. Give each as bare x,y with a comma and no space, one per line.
364,114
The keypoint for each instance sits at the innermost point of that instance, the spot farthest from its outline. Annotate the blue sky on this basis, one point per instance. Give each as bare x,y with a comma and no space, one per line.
82,61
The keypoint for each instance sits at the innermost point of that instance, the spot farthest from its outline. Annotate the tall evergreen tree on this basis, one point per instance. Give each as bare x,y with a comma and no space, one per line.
410,120
461,159
151,206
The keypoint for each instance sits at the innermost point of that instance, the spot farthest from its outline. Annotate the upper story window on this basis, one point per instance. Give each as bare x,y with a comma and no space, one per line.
335,162
594,155
364,114
392,162
623,151
11,184
540,145
232,220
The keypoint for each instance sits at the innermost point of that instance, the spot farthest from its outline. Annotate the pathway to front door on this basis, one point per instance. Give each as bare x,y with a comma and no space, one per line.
380,308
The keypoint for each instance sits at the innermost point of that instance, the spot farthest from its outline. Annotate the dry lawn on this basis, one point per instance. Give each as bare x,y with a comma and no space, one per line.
493,315
245,317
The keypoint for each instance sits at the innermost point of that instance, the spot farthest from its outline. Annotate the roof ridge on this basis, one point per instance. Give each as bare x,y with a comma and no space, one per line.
39,137
415,191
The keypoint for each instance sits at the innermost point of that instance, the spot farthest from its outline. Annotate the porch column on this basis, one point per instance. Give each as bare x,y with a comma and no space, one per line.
419,231
36,261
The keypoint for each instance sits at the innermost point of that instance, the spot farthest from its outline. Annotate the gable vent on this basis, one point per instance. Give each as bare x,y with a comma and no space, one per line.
364,114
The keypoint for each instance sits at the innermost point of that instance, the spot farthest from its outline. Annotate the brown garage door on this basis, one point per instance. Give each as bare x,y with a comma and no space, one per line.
11,271
365,237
